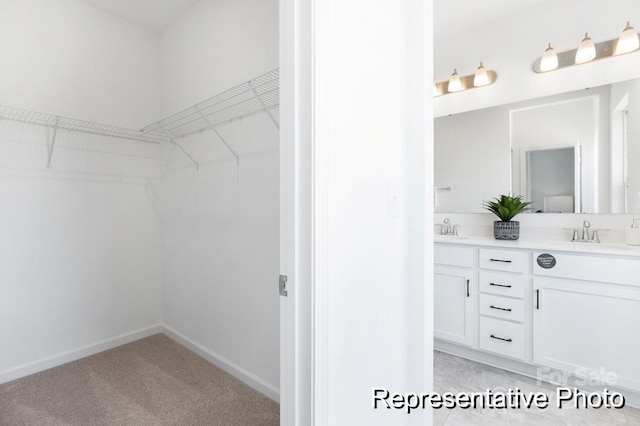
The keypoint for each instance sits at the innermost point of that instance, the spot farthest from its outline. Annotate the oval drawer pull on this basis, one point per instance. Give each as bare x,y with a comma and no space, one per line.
500,285
500,309
500,338
500,260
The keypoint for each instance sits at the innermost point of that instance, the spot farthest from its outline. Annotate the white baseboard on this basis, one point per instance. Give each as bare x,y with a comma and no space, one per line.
219,361
76,354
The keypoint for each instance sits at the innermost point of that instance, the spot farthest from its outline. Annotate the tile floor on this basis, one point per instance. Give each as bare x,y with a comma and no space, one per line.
454,374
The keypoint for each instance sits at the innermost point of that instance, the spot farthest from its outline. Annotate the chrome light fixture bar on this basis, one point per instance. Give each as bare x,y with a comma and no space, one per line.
588,51
457,83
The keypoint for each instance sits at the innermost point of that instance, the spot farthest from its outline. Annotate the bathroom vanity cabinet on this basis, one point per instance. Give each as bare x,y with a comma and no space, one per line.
454,278
524,307
589,324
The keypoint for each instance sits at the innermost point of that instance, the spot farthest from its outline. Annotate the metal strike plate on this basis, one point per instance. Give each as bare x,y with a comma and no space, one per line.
283,285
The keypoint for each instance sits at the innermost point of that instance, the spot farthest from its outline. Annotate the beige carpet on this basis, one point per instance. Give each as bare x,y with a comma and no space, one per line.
153,381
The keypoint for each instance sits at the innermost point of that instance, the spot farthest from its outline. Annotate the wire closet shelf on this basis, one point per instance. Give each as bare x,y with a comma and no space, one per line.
72,124
259,95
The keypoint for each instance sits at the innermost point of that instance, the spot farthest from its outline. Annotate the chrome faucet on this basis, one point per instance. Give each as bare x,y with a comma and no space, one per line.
585,229
447,229
587,237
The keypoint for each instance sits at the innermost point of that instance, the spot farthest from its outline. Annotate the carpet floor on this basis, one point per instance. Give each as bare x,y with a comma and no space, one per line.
153,381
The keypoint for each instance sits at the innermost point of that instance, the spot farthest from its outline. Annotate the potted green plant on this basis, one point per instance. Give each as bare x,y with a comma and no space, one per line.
506,207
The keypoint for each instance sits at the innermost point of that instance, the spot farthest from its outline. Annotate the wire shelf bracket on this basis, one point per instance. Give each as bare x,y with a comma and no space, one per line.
184,151
53,142
224,142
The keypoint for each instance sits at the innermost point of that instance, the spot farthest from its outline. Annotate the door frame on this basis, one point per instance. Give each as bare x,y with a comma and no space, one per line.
526,179
296,214
304,171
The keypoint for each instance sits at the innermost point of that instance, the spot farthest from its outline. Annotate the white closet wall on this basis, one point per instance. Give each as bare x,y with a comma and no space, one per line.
216,45
221,254
120,238
67,58
80,253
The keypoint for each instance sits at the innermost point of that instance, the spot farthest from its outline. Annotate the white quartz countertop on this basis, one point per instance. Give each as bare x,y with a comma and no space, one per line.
566,246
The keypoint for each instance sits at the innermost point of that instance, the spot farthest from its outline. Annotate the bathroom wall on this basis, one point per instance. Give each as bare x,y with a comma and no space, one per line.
547,226
510,44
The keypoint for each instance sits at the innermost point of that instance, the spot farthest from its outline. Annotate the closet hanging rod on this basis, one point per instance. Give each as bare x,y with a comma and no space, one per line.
258,95
72,124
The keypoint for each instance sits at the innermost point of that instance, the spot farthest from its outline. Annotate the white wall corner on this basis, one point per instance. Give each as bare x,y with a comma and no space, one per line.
221,362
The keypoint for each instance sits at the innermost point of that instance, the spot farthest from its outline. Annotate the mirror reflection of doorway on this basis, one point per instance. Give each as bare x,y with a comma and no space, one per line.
553,179
619,157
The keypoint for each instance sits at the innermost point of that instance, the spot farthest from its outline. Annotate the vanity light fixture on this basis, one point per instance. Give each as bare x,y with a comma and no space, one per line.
481,78
457,83
628,41
549,60
588,51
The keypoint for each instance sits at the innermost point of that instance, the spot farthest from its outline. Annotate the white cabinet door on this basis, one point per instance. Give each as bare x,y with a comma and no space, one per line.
453,304
588,329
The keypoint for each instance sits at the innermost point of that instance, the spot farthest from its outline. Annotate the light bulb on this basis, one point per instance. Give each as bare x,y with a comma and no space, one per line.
628,41
482,77
455,85
586,50
549,59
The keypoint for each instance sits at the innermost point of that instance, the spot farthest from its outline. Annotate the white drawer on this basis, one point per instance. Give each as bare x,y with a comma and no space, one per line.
503,260
588,267
502,337
453,255
503,284
502,307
